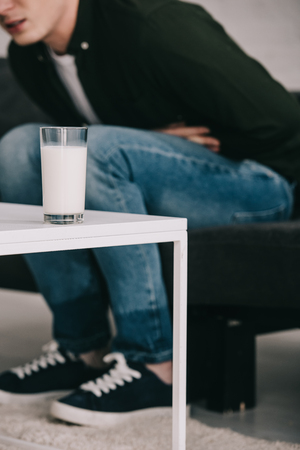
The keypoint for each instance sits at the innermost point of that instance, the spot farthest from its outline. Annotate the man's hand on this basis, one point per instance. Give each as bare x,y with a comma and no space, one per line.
194,134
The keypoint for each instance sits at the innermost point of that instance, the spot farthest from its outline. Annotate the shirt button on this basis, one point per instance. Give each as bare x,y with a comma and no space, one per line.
84,45
40,58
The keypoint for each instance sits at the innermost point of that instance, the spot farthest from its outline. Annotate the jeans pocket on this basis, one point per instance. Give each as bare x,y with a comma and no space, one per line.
269,215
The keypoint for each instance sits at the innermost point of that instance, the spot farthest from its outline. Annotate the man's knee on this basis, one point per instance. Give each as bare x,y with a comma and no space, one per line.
104,141
18,146
20,165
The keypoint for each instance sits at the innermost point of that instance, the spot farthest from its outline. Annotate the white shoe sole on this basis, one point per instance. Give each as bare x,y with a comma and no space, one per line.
9,398
98,419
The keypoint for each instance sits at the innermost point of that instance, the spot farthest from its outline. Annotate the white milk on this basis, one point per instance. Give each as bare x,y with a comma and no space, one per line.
63,179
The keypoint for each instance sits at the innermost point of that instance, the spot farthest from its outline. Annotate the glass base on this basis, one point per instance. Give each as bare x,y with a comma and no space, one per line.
63,219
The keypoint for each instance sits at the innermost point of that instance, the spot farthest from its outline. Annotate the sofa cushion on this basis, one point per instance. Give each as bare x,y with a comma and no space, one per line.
253,265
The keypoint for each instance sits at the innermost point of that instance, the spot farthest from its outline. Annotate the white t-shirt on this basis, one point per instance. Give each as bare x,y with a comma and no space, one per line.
67,71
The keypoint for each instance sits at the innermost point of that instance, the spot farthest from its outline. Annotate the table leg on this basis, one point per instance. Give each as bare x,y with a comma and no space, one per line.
179,343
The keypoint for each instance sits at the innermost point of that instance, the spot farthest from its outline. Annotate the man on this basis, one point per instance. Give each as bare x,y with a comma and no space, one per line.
146,75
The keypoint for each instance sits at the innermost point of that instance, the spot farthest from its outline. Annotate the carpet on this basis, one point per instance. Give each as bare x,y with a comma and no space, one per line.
32,424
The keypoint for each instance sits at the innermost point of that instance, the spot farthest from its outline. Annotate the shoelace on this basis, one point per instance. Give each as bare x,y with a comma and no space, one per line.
51,356
115,377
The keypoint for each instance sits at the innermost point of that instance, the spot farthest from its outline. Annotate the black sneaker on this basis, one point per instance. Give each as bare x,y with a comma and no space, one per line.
54,374
126,390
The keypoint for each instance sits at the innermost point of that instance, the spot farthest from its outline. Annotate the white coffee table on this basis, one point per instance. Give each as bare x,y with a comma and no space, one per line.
22,231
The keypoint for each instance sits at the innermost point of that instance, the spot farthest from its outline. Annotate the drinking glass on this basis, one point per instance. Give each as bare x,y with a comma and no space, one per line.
63,159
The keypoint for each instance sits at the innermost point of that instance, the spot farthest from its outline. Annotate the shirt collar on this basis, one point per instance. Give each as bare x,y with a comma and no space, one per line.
82,31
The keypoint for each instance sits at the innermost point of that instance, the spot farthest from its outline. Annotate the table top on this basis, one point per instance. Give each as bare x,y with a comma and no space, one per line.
24,223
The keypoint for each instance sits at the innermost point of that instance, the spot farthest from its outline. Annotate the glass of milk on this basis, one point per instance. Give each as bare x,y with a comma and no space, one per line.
63,158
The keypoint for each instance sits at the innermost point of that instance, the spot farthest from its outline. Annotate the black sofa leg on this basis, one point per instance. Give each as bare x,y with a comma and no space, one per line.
232,368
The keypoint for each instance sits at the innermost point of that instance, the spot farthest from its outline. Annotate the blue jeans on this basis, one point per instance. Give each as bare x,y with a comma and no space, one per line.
138,172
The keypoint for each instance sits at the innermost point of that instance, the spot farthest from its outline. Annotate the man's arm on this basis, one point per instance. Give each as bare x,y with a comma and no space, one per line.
218,85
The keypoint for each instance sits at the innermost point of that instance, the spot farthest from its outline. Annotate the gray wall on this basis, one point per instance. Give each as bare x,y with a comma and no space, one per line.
269,30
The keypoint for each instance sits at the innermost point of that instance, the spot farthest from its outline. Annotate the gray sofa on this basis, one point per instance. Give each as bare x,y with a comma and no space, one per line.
243,281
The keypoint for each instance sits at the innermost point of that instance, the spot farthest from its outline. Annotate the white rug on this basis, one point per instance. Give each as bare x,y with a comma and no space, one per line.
32,425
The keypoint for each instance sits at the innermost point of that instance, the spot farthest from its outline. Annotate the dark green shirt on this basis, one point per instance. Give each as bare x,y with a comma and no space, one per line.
150,63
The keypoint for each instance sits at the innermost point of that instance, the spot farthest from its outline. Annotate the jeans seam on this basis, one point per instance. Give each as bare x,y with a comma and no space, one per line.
263,213
213,166
152,298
